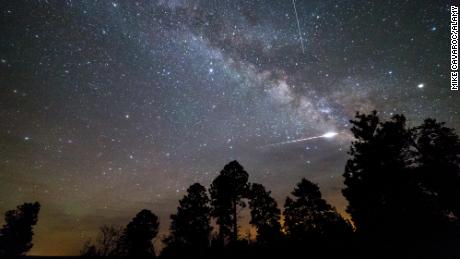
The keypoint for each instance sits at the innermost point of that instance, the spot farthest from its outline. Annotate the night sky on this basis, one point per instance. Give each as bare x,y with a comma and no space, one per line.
108,107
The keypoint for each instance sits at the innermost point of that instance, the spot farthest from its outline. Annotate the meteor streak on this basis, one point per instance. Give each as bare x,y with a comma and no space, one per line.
298,27
329,135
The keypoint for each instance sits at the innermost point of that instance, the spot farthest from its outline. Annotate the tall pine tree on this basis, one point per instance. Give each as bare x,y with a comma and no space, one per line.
265,215
227,192
190,226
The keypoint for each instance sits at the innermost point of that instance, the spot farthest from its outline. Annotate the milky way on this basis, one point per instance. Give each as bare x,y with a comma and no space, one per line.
108,107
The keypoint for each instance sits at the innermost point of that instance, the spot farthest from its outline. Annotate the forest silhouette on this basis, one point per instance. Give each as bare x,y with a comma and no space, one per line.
402,185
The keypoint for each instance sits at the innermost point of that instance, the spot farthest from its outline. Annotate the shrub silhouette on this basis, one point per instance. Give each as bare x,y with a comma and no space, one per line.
106,243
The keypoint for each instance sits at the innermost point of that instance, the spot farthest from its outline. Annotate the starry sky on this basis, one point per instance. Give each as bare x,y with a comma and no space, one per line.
108,107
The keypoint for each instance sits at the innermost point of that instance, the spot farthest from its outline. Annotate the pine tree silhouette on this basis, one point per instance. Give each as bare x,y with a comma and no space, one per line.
310,220
190,226
436,171
227,192
265,215
438,163
375,176
402,185
136,240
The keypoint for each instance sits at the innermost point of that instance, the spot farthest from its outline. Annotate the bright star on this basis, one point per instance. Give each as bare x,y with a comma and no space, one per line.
421,85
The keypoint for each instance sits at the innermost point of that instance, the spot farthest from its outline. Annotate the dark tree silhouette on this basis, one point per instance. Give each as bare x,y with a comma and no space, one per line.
438,163
89,249
437,174
190,226
310,220
265,215
376,176
136,240
402,184
106,243
16,234
227,192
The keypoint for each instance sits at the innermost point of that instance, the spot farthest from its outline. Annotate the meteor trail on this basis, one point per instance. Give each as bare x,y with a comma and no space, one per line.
329,134
298,27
